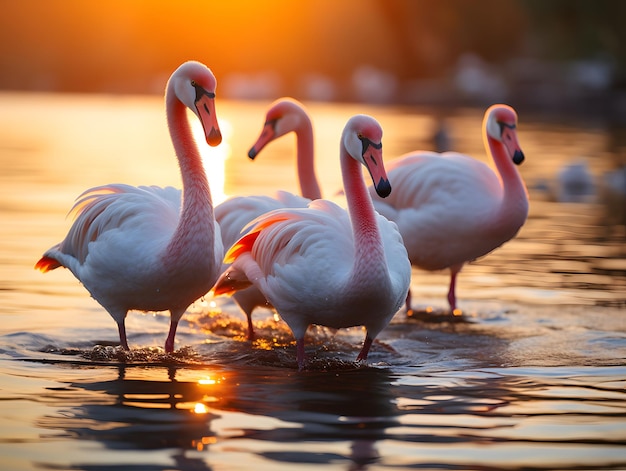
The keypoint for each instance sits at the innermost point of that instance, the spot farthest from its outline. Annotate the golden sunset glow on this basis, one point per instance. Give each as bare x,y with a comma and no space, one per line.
254,48
207,381
203,443
214,158
200,408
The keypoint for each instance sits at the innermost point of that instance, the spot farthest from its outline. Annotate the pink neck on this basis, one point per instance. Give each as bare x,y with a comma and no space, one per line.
309,188
368,246
196,218
515,196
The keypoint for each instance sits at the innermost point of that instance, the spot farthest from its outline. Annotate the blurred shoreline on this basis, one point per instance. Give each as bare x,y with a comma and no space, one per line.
538,92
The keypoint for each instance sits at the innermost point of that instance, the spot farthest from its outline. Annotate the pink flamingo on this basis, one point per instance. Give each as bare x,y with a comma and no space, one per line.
136,247
284,116
451,208
325,265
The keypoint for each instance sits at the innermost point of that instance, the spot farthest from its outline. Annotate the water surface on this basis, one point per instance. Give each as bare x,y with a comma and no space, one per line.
532,379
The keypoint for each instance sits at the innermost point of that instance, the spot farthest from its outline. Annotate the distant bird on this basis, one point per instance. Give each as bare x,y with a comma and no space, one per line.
325,265
451,208
442,140
575,183
284,116
137,247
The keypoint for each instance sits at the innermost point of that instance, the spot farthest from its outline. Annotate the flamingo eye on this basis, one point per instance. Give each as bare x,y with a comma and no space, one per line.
193,83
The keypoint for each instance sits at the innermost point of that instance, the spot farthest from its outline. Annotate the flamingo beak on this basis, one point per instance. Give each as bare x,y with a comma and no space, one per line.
268,134
518,157
509,139
205,105
373,158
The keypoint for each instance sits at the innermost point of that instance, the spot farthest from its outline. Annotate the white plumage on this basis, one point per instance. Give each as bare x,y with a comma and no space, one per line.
283,116
325,265
138,247
451,208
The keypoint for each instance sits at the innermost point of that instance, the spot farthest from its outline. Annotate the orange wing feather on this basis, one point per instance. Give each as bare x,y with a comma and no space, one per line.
245,243
231,281
46,264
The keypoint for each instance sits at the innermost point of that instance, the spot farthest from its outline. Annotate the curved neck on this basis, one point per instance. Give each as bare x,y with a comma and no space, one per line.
369,256
309,188
196,217
514,202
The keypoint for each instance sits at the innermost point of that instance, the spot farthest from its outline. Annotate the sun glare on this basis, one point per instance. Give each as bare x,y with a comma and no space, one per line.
214,158
200,408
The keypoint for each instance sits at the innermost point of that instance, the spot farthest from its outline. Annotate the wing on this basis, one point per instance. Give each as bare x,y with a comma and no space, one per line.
396,256
111,207
289,236
284,246
236,213
431,178
440,202
290,200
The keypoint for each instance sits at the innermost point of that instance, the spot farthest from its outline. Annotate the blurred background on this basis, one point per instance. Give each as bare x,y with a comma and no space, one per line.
559,56
435,65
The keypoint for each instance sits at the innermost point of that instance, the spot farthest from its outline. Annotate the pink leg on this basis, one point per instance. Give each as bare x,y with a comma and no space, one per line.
366,348
250,327
300,353
169,342
451,294
454,271
122,330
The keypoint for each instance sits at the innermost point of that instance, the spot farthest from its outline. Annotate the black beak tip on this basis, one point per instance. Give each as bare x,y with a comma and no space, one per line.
383,188
252,153
518,157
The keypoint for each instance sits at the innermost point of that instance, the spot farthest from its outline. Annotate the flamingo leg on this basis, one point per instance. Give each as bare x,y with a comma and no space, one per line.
250,327
175,316
454,271
366,348
451,293
121,327
169,342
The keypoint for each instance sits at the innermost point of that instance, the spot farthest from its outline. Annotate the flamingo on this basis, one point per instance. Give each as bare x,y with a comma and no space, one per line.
451,208
287,115
283,116
325,265
149,248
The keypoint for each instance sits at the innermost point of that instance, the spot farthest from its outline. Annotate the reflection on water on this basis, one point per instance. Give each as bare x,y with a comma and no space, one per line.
542,419
534,378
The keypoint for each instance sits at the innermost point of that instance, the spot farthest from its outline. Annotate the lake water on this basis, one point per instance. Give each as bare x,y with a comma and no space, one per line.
533,379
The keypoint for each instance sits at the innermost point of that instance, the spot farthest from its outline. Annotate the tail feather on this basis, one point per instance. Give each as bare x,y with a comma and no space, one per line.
245,243
45,264
242,245
229,282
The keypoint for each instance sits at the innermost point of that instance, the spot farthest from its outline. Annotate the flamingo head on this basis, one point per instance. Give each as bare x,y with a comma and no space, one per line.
362,138
194,85
284,116
501,125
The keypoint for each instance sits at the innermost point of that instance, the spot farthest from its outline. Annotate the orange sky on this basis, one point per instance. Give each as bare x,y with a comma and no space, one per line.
110,46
